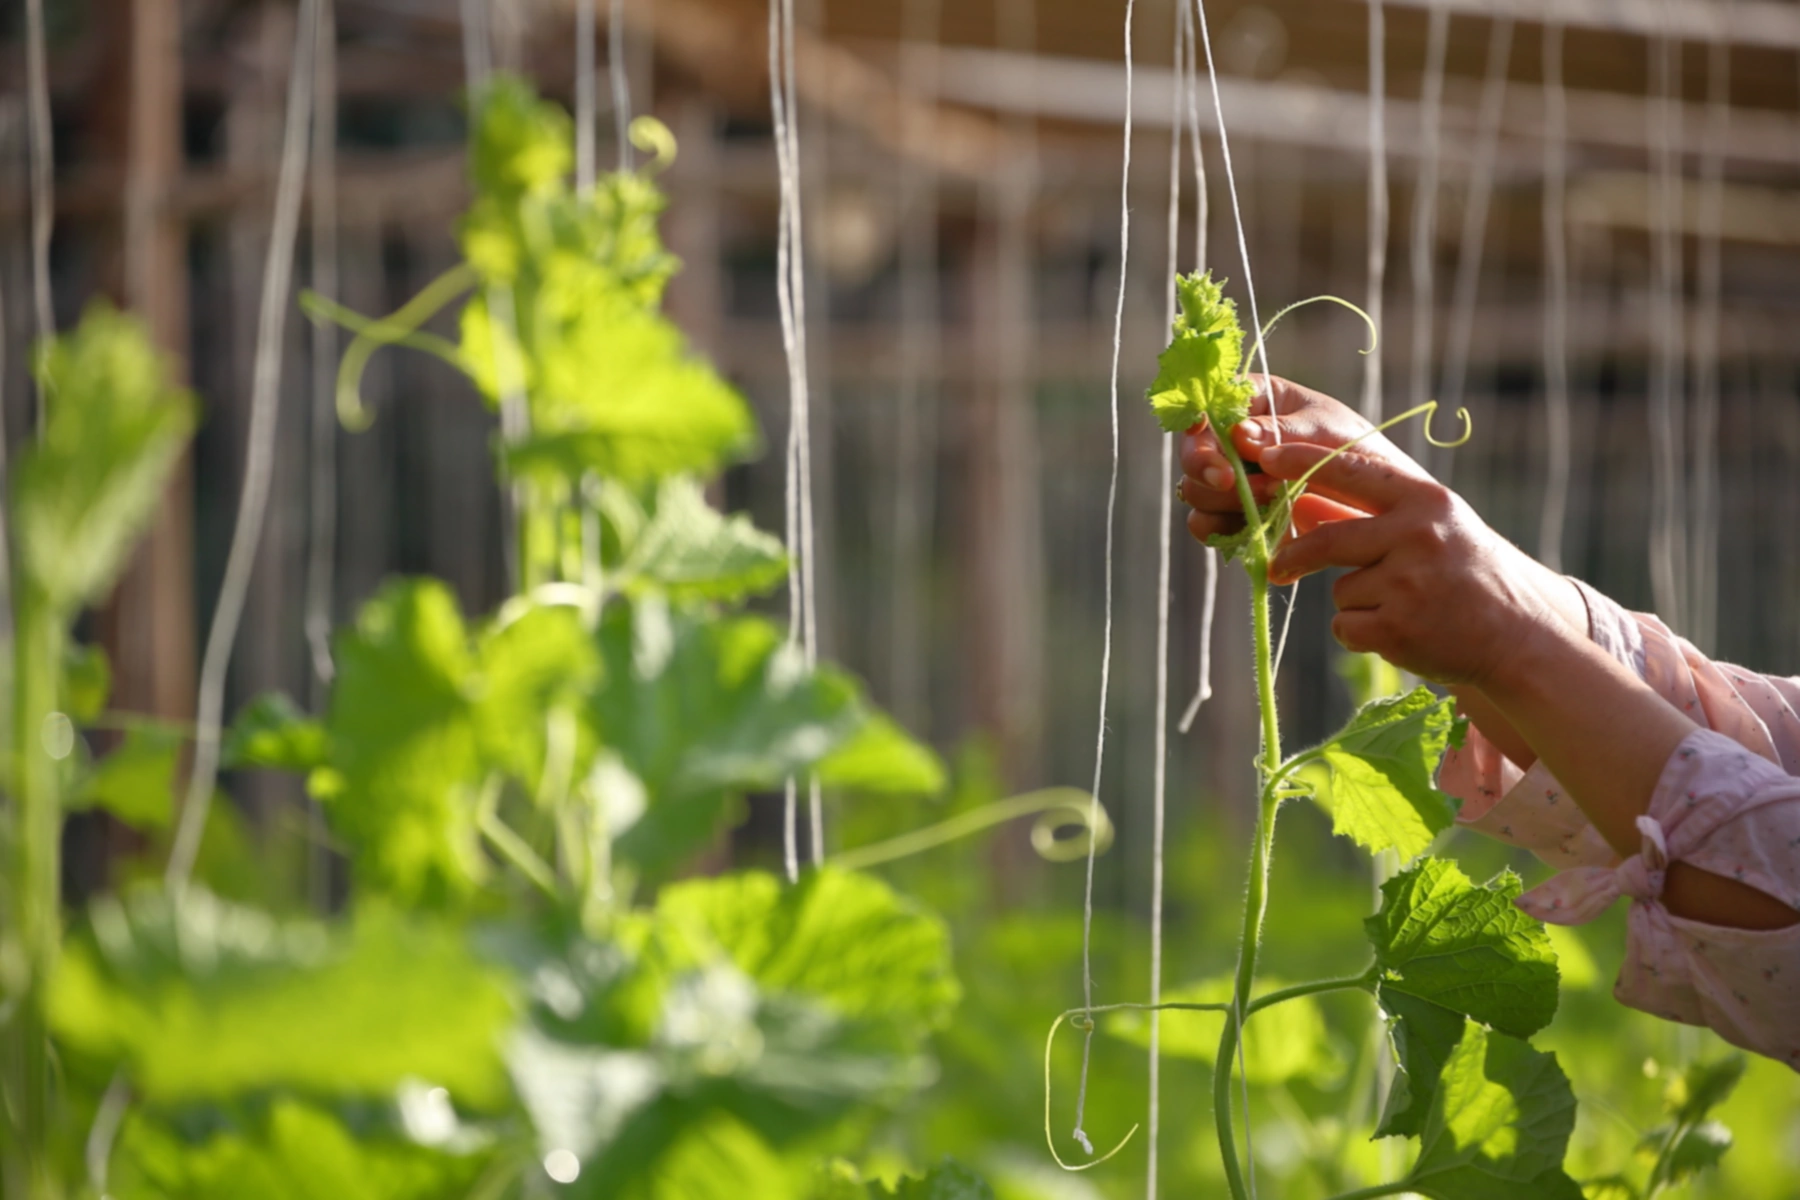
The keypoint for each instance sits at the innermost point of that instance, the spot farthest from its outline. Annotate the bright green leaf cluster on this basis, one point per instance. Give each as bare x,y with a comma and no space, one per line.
1375,776
1201,372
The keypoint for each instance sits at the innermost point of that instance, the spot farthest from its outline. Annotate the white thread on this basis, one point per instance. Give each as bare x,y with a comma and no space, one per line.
1378,205
265,397
1424,222
584,97
1704,565
477,57
1556,302
1165,539
1209,594
1475,222
620,79
1112,501
323,249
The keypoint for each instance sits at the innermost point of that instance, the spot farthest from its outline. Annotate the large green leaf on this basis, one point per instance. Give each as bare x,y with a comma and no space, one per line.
839,937
1285,1042
536,669
687,549
881,757
292,1152
716,1158
203,1000
1499,1125
1423,1034
949,1180
1375,776
115,424
1442,939
405,767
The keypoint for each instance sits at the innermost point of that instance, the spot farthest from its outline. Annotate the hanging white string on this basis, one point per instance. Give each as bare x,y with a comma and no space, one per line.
1164,548
1112,503
1209,592
1237,217
1424,215
265,398
1668,543
791,301
1556,301
43,167
1378,205
477,57
620,78
321,542
584,97
1475,222
920,339
1704,581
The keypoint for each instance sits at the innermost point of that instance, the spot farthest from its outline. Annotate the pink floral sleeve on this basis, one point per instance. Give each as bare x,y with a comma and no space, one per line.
1728,801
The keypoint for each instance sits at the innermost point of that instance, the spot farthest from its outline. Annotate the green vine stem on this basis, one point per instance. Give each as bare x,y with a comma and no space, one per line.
1057,808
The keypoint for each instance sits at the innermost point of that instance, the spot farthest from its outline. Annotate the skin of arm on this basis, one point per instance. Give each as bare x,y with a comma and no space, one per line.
1436,592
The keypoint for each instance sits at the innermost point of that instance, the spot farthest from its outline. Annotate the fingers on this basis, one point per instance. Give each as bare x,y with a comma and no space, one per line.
1357,630
1204,525
1359,480
1312,511
1357,543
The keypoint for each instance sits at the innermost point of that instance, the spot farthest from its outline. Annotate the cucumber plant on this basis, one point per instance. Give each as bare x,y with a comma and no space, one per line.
1464,978
522,996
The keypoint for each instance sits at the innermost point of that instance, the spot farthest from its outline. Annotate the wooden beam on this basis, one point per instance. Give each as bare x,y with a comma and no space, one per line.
1742,23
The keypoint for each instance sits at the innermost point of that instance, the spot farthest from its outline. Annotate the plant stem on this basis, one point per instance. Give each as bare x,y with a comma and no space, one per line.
1256,899
34,880
1393,1188
1357,982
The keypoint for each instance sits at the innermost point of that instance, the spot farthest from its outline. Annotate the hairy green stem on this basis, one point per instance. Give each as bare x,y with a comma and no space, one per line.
1362,982
34,883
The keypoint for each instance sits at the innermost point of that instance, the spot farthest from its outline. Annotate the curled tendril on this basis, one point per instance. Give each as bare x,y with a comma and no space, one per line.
400,328
1269,325
1082,1019
1058,810
653,138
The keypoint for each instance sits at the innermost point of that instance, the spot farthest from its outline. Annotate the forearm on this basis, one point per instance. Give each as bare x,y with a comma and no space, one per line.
1606,737
1564,599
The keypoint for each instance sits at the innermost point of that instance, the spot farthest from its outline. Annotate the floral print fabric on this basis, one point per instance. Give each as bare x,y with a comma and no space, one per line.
1728,802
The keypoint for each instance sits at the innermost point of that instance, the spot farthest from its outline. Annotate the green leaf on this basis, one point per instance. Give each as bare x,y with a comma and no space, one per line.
1499,1125
689,550
540,664
701,709
204,1000
1610,1187
520,144
1199,377
842,938
948,1180
115,424
1285,1042
882,757
1702,1087
292,1152
87,681
1375,776
718,1158
1698,1148
403,745
136,782
271,732
1440,938
1423,1034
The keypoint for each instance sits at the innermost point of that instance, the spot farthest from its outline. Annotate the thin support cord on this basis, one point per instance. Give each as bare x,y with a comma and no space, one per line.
1378,205
43,179
1237,216
1112,504
1556,301
321,542
1704,583
1424,215
620,79
1209,594
477,56
1668,542
1164,549
584,97
1475,221
265,397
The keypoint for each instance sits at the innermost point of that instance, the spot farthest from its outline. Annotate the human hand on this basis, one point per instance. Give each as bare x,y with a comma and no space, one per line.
1433,590
1303,415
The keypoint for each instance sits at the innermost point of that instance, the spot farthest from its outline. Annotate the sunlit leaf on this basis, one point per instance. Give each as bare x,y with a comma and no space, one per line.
537,668
136,782
1697,1148
1375,776
1499,1125
1442,939
204,1000
1199,377
688,549
272,732
115,424
1702,1087
882,757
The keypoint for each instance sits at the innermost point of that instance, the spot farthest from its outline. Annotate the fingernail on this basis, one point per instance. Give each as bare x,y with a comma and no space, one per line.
1218,479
